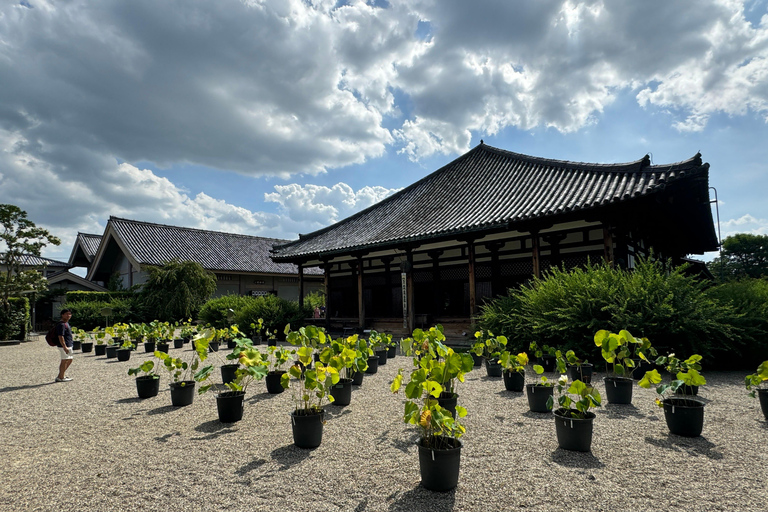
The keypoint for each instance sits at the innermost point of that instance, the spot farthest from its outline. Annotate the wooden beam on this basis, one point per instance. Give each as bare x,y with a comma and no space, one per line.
471,269
535,252
360,301
301,286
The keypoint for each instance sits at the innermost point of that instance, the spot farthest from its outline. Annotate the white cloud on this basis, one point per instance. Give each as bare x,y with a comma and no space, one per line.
744,224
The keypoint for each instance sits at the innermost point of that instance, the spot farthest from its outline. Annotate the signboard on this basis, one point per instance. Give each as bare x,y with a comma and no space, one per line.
404,285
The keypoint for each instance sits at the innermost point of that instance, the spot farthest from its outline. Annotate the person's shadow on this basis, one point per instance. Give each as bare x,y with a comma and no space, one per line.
31,386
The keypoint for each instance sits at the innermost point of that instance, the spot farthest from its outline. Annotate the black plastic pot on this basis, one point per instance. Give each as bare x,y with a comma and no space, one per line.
178,343
228,372
618,390
685,416
256,339
230,406
77,345
392,352
357,378
147,386
342,392
112,351
182,393
638,372
373,365
231,344
478,360
448,402
100,350
440,467
87,346
273,382
762,394
581,372
514,381
149,347
493,369
213,346
307,428
687,390
548,362
382,355
538,395
271,343
162,346
123,354
573,434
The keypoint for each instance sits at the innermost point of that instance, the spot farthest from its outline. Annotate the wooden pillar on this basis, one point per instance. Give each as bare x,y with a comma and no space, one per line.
493,248
554,240
387,261
409,311
436,288
360,301
301,286
607,245
535,252
471,269
327,284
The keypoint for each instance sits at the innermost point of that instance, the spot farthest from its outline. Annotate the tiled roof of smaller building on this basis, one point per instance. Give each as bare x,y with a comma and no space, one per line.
156,244
30,260
489,188
89,243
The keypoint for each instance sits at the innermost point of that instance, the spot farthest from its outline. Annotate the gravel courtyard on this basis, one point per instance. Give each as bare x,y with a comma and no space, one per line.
90,444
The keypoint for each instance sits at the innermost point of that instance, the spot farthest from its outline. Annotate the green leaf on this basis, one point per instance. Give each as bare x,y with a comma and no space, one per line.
650,378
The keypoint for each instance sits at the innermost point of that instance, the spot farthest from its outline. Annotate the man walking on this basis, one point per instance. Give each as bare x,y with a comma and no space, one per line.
64,335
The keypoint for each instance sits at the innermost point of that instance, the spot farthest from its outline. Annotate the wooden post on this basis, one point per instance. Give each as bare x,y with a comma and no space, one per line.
360,301
409,294
387,261
437,294
327,284
472,286
494,247
301,286
608,245
535,252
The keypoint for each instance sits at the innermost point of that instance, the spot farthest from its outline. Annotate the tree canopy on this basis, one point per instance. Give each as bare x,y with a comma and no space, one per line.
178,289
744,255
20,237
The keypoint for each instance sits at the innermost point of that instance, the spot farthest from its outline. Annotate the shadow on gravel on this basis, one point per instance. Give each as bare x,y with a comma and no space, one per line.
133,400
31,386
569,459
161,410
513,395
251,466
489,379
694,446
214,429
538,415
402,444
336,411
622,411
259,397
288,456
420,499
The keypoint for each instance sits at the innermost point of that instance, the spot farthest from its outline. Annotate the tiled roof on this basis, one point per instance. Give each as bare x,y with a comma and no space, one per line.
89,243
489,188
155,244
30,260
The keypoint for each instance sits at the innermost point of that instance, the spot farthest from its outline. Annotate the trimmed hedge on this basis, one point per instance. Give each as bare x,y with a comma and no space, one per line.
215,311
15,324
80,296
566,308
86,314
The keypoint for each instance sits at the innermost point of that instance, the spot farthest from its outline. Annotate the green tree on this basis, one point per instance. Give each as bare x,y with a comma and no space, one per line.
178,289
744,255
20,237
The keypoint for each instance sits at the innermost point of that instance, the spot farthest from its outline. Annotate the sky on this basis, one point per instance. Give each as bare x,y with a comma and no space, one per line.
279,117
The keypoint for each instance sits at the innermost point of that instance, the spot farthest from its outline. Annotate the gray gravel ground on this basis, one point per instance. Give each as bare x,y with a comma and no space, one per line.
111,451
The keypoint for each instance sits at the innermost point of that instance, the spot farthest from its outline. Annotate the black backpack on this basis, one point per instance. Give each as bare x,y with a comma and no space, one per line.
51,338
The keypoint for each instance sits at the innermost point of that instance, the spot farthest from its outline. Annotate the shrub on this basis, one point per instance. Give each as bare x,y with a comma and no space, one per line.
177,290
15,322
566,308
276,312
215,311
72,297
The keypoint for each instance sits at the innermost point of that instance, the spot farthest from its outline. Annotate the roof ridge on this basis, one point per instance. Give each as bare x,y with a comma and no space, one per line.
619,166
112,217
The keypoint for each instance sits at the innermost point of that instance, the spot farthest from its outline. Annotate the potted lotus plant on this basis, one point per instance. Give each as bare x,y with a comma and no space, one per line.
573,419
490,347
545,355
754,383
540,392
362,353
575,367
185,374
380,343
148,383
277,357
616,349
312,387
684,414
78,337
343,355
514,370
439,445
87,344
100,348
